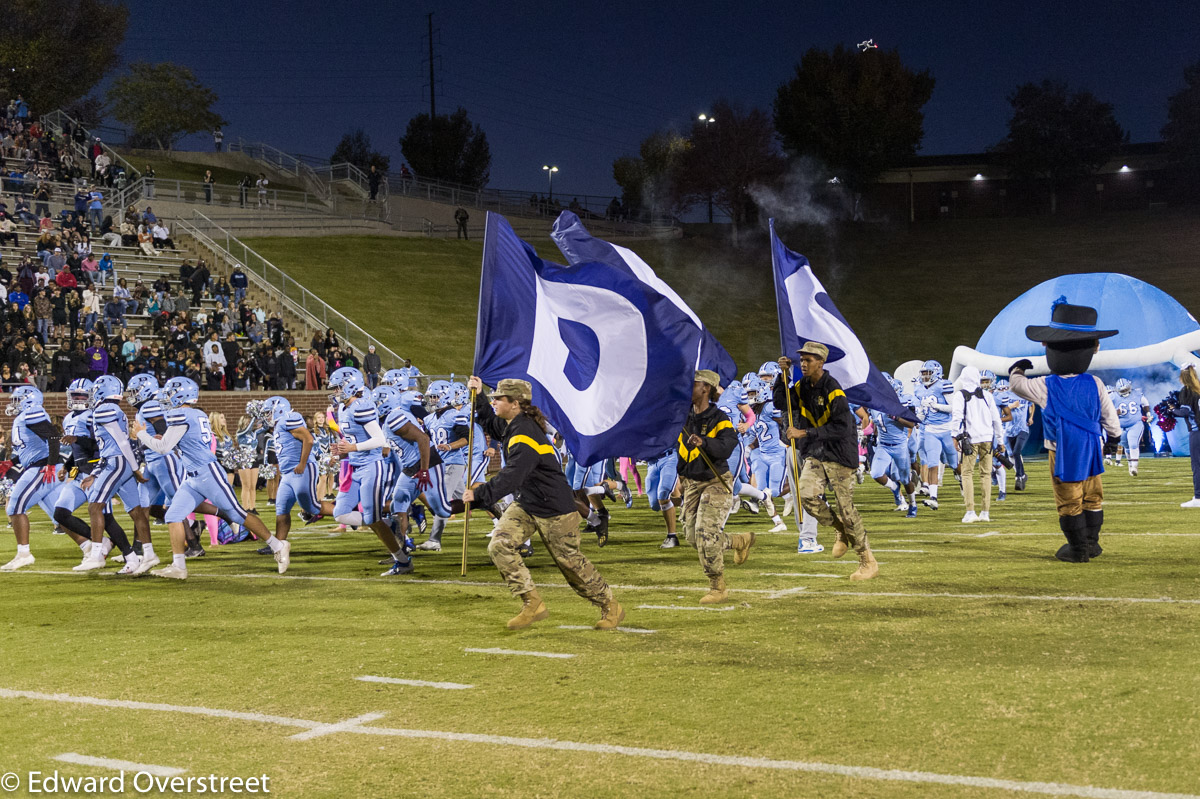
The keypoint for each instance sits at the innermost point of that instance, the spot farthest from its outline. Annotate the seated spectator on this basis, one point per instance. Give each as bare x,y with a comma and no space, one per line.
113,312
146,242
91,269
129,237
65,279
105,269
8,232
41,278
161,236
19,299
123,296
162,286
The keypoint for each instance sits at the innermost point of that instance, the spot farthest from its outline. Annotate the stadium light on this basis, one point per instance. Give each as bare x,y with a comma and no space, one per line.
705,118
550,170
978,176
1125,168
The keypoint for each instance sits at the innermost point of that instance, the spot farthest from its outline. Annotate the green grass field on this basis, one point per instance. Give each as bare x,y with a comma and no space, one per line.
908,293
168,168
975,665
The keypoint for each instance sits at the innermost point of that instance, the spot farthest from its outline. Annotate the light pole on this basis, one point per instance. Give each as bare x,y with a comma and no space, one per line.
707,120
550,170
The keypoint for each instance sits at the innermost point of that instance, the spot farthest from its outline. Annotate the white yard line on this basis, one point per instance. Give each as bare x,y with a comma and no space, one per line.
905,551
518,652
670,588
339,726
678,755
684,607
118,765
619,629
445,686
800,574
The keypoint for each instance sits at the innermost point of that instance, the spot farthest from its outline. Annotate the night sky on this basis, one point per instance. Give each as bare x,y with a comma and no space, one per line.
576,85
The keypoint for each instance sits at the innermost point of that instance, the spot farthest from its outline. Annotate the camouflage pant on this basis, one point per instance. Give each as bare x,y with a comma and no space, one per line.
706,504
561,536
824,477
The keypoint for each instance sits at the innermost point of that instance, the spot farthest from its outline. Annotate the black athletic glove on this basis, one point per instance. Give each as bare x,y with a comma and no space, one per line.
964,445
1111,444
1023,365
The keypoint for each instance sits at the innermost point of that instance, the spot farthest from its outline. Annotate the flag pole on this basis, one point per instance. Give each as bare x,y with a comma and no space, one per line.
467,479
787,390
708,462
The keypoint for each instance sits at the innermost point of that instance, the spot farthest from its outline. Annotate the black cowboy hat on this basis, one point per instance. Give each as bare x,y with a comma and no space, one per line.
1068,323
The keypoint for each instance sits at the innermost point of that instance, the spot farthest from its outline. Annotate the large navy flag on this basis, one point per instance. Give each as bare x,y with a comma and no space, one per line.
611,358
579,246
806,313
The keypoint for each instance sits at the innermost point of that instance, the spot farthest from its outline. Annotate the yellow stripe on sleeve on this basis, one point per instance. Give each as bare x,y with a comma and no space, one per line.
541,449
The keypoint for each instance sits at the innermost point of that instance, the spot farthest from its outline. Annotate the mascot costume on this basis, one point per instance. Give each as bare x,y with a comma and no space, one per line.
1077,414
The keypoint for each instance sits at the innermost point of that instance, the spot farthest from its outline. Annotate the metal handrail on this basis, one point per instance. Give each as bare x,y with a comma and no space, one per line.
291,296
260,151
55,120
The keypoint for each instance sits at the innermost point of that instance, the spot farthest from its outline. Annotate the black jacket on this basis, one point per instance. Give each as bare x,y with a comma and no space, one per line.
720,440
531,473
822,409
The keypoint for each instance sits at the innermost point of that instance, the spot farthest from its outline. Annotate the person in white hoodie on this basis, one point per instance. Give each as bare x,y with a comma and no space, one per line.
975,423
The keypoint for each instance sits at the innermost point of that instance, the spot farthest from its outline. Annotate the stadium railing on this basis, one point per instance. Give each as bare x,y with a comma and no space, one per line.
55,121
290,294
282,161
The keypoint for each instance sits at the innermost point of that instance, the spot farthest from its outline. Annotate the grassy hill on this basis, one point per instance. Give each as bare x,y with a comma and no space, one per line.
908,293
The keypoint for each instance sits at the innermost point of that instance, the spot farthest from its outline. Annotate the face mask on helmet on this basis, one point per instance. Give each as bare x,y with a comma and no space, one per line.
1124,387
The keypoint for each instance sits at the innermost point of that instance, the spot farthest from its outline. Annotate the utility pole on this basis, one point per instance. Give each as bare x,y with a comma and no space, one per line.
432,101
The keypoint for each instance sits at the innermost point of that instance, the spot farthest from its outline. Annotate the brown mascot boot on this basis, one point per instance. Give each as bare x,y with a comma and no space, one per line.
611,614
741,547
533,610
717,591
867,567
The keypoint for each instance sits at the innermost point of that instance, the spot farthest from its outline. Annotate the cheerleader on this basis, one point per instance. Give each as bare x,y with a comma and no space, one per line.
248,460
326,466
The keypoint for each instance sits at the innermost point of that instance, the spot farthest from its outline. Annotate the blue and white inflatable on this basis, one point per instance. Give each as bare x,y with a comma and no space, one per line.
1158,336
1155,328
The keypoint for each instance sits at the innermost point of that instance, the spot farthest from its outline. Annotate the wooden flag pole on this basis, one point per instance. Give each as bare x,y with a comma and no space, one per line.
708,462
787,386
467,481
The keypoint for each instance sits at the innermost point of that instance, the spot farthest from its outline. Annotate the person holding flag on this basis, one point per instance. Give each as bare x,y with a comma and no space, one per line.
705,444
543,503
828,448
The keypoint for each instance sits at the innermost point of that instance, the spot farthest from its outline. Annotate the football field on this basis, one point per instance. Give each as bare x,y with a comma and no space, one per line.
976,665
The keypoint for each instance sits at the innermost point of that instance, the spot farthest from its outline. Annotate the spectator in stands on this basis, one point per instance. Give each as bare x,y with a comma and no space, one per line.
40,365
8,232
74,308
218,138
244,189
261,184
18,298
199,282
111,237
91,269
105,269
287,370
209,181
185,271
239,282
148,182
91,307
81,201
241,376
214,355
373,179
131,348
61,369
113,315
255,331
97,359
460,218
95,208
22,212
406,176
148,217
129,237
222,290
124,296
231,350
41,201
146,242
161,236
314,371
65,279
141,296
166,303
17,353
41,278
372,365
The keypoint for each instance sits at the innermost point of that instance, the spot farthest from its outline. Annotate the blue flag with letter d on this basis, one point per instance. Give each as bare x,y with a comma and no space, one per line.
580,246
610,358
806,313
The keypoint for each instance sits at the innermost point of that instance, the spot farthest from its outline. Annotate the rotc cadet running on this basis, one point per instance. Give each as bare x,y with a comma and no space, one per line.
707,441
544,502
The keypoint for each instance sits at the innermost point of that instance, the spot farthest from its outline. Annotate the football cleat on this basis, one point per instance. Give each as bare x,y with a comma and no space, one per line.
19,562
930,503
171,572
779,528
809,548
430,546
398,567
970,517
284,556
912,511
147,564
670,542
750,505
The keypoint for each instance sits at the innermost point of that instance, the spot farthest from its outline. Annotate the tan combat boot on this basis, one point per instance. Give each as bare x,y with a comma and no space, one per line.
611,614
842,544
741,547
867,567
717,591
533,610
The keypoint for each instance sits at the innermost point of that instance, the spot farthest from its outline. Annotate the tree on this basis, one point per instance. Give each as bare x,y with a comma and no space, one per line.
162,103
55,51
731,152
355,148
647,180
1181,134
858,113
1056,137
87,111
447,148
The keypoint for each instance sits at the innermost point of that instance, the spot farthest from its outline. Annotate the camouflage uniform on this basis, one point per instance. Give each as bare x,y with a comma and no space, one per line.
825,477
706,504
561,536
